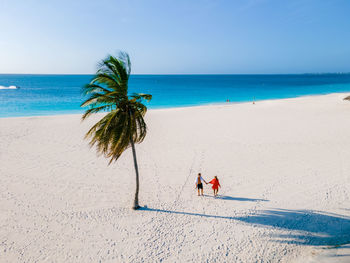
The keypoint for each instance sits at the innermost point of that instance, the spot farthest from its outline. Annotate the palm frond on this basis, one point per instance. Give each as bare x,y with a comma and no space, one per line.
91,87
140,96
106,79
96,99
96,110
108,91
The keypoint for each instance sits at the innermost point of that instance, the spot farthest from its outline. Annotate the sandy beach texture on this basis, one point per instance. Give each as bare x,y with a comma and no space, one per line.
283,166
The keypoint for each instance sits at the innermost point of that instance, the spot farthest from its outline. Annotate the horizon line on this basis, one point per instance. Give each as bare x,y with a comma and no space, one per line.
189,74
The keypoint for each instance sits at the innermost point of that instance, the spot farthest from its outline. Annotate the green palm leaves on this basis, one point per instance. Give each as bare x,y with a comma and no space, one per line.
108,91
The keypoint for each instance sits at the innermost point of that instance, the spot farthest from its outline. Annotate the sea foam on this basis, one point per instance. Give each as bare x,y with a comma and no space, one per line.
9,87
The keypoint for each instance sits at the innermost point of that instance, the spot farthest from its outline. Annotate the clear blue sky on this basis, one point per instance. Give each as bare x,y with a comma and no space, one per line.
179,36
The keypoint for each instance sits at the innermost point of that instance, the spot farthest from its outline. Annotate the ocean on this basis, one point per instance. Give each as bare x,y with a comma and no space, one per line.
61,94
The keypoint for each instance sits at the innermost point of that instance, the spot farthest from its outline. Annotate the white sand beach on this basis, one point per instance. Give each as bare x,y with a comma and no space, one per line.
283,166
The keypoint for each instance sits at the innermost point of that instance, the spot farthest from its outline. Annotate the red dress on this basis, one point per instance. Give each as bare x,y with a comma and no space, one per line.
215,183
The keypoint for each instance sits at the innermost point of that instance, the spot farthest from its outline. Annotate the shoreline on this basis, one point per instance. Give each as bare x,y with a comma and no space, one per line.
196,106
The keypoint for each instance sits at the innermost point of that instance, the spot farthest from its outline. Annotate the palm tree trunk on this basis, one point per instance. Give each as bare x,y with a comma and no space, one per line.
136,200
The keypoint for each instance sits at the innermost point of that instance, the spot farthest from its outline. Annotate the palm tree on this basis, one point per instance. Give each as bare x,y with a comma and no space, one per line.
124,125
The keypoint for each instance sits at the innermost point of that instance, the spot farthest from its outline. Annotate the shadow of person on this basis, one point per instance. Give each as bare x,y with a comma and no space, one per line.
306,227
232,198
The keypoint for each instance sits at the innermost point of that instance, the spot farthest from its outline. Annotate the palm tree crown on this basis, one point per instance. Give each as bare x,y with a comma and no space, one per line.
108,91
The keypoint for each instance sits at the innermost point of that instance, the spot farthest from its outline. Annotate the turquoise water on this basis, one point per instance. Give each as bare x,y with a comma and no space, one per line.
60,94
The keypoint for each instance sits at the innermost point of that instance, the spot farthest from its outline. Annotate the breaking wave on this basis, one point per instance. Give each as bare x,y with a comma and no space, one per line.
9,87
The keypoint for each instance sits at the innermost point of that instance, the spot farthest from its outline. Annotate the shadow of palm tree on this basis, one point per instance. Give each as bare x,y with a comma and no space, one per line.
310,227
232,198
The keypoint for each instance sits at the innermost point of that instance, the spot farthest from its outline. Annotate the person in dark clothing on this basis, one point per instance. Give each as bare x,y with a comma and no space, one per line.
199,184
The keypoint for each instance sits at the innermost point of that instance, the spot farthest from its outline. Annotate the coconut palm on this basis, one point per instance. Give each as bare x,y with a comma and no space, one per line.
124,124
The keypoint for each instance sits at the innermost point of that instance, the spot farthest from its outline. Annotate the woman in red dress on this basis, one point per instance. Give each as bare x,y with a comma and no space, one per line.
216,185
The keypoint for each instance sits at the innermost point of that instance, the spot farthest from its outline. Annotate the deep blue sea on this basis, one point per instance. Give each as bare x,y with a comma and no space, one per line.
60,94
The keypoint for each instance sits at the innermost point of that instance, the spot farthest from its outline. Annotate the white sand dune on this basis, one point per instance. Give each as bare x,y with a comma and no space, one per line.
283,166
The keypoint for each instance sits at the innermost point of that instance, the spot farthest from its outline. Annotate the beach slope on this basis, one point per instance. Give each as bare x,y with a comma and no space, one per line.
283,166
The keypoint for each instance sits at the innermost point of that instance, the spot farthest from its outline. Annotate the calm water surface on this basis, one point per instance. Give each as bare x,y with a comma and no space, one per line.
60,94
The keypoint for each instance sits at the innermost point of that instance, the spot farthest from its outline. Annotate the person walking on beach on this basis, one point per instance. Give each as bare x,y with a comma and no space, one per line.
199,184
216,184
